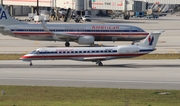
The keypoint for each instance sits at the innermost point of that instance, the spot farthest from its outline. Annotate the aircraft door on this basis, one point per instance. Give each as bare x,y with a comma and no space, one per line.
40,54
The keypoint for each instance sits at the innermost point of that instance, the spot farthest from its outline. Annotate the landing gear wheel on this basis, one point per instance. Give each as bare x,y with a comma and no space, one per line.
100,64
67,44
30,64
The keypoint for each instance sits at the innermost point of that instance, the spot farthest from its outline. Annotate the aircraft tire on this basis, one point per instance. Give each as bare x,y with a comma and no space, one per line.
30,64
100,64
67,44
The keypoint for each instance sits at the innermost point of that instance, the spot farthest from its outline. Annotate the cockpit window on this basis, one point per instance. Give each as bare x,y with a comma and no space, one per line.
33,52
141,30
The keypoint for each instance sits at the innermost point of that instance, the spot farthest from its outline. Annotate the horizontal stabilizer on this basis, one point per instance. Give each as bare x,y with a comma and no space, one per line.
158,32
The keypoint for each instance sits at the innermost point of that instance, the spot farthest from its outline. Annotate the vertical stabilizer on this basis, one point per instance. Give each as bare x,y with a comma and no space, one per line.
151,40
6,19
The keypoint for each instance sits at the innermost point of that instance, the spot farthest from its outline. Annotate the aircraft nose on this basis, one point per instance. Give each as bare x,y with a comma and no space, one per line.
25,58
22,57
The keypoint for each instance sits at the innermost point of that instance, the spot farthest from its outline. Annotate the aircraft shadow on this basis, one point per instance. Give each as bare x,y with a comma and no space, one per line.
89,66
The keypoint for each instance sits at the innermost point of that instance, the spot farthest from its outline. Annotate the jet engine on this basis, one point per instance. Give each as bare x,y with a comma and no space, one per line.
85,40
128,50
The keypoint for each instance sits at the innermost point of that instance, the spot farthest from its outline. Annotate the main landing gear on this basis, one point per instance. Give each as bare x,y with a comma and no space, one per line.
30,64
67,44
99,63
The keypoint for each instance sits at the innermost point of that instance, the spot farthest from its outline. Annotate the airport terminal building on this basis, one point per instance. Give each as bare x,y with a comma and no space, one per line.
23,7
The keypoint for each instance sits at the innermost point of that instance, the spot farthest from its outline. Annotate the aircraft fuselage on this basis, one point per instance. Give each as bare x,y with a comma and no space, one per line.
100,32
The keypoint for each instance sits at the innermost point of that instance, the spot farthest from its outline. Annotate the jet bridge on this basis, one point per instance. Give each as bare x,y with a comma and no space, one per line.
163,1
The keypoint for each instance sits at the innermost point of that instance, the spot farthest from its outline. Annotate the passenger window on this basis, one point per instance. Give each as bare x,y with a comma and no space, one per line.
114,50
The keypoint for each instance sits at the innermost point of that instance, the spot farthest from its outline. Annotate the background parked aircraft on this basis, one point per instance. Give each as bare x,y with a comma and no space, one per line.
80,33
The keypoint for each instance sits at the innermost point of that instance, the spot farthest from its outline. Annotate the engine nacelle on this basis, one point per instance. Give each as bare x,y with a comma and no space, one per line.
128,49
85,40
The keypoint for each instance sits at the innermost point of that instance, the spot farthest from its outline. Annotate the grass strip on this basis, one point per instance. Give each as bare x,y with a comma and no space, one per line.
148,56
71,96
10,56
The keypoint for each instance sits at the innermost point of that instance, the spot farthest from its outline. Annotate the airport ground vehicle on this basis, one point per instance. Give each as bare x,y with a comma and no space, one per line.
149,16
139,14
86,18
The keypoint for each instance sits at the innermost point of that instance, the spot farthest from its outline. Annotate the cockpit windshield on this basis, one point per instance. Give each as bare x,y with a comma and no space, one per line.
34,52
140,30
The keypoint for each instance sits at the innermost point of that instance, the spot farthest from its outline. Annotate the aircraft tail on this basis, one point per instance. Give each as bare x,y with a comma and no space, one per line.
151,40
6,19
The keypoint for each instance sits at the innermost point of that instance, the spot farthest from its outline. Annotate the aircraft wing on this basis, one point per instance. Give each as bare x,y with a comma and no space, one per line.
59,35
94,58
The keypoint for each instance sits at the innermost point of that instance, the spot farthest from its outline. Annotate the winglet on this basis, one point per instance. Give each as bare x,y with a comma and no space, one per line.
151,40
44,26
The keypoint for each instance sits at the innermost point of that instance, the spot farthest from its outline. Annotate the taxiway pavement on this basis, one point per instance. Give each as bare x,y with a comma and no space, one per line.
140,74
135,74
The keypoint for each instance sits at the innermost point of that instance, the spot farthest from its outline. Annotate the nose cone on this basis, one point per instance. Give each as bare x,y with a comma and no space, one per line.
25,58
22,57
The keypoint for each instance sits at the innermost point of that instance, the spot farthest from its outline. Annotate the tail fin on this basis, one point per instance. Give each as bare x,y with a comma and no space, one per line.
151,40
6,19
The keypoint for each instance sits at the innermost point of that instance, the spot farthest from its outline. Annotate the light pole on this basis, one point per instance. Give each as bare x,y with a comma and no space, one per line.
2,2
37,7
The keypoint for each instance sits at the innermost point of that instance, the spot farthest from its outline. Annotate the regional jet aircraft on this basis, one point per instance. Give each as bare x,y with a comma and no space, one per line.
80,33
95,54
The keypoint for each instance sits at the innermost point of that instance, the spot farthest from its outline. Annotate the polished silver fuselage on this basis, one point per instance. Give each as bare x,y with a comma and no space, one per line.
101,32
